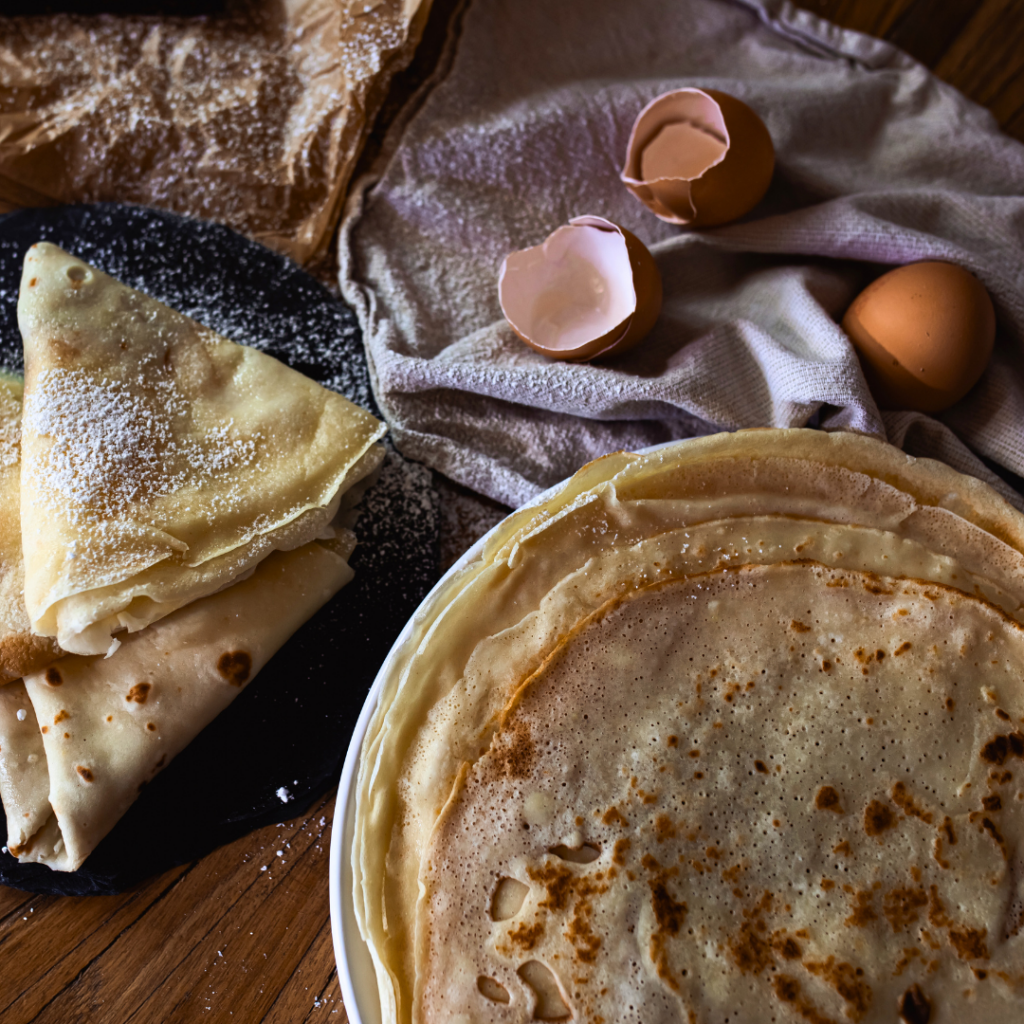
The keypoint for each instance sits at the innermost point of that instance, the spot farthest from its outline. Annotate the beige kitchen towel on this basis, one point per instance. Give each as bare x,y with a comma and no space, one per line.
878,163
254,118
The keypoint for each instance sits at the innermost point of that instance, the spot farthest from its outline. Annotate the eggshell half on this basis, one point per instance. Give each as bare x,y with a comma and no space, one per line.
924,333
590,290
698,157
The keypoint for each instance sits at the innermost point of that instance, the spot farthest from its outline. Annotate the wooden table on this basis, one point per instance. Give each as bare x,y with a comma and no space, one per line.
241,935
244,934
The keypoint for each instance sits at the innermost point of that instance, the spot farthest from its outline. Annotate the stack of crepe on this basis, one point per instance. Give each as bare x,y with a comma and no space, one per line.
730,731
177,512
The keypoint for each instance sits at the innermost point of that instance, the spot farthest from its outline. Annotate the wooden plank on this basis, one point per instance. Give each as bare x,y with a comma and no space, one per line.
873,17
307,996
926,29
52,939
977,46
986,62
229,935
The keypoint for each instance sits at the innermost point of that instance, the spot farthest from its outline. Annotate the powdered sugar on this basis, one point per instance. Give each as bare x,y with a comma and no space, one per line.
10,427
113,445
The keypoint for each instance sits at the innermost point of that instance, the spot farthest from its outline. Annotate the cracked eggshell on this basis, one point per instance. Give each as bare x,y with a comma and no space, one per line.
698,158
590,290
924,333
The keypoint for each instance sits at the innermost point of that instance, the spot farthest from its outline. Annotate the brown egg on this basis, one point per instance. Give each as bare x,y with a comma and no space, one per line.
698,158
924,333
590,290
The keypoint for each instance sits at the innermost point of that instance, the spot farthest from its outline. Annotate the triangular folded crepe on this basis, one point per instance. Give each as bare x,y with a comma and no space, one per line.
20,650
160,462
100,728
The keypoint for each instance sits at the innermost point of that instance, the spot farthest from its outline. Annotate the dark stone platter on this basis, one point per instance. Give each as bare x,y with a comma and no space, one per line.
290,727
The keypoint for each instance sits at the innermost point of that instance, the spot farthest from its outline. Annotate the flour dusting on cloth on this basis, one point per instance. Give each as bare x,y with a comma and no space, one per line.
878,163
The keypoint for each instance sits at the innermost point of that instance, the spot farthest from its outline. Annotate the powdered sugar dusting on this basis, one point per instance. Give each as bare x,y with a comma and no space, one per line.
112,446
10,427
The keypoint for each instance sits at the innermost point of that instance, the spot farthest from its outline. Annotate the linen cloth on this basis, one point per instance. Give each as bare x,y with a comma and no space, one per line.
878,163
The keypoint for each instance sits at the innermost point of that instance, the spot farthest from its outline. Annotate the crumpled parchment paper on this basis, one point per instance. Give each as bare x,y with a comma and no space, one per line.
254,119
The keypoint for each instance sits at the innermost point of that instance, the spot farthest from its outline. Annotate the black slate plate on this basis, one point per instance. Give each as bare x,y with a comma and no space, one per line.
290,727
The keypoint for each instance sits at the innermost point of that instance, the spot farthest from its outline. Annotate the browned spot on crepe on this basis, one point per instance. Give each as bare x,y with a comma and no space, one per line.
787,990
848,981
786,946
902,907
863,913
53,676
969,943
527,936
915,1007
998,749
827,799
86,773
235,666
905,802
139,693
514,754
878,817
613,816
670,915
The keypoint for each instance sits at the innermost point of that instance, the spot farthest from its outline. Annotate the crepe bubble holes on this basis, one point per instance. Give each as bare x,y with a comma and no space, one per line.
698,158
590,290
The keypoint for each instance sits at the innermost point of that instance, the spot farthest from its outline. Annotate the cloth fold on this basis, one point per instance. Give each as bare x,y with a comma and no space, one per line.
878,164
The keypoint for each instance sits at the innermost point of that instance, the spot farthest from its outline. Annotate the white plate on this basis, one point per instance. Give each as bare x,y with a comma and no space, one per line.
355,968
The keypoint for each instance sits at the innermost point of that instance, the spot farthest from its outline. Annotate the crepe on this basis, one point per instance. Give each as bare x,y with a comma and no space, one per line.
24,780
95,730
160,462
20,650
624,524
779,791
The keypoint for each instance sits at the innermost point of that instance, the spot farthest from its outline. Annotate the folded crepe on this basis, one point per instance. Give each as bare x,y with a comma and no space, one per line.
160,461
79,740
24,780
21,650
560,814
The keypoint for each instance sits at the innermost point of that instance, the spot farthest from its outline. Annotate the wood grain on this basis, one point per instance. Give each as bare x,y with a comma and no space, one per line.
244,934
975,45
